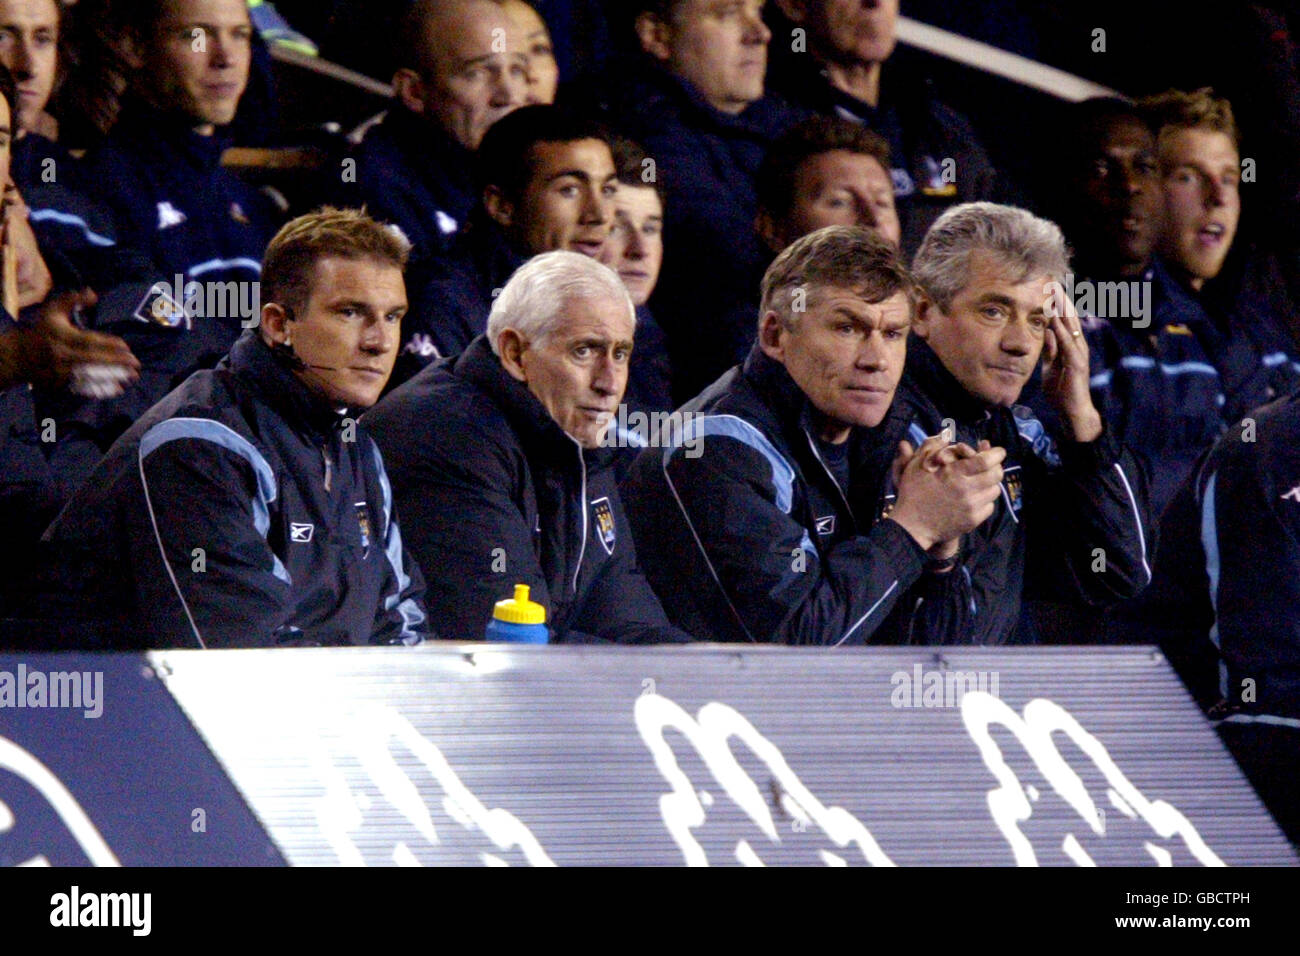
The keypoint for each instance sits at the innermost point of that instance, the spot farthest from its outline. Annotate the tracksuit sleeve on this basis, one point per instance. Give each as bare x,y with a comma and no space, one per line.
1089,530
207,518
776,581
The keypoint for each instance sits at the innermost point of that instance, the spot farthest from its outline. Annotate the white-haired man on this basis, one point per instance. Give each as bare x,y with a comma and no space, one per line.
497,465
1072,524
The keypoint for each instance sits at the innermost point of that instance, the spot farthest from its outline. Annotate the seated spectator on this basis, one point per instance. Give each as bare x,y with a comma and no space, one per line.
635,250
1225,597
779,512
498,468
1073,522
160,172
1156,215
547,182
75,235
825,171
461,66
248,509
694,99
535,41
938,160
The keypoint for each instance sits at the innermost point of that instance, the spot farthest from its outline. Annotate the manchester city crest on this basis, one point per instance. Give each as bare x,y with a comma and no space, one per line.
604,515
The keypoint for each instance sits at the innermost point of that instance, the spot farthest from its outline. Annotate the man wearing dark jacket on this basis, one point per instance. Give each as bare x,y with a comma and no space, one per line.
247,509
460,68
1223,605
850,70
497,465
159,171
1073,523
784,504
547,181
694,99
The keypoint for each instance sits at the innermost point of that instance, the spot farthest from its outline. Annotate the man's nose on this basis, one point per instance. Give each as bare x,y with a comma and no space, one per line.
1215,193
635,244
867,213
607,376
380,336
871,353
23,59
597,208
510,86
1017,339
756,31
220,49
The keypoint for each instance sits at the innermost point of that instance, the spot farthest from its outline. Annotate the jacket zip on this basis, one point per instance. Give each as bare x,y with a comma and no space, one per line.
582,463
843,497
329,465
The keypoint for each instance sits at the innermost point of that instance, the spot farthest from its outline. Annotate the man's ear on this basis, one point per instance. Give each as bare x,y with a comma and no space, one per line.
771,336
655,36
926,312
796,11
511,347
275,323
409,88
501,209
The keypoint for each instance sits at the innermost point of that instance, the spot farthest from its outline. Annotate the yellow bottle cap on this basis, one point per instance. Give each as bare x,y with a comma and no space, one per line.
518,609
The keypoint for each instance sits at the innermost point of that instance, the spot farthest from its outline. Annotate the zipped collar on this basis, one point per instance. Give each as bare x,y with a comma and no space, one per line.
543,440
252,360
932,378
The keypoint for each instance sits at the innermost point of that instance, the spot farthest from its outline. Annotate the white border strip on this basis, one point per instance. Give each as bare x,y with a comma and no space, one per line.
999,62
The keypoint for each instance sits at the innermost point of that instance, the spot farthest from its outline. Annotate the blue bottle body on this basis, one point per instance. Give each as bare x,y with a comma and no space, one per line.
517,633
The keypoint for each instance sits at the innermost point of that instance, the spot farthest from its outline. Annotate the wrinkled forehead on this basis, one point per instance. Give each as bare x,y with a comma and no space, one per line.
594,317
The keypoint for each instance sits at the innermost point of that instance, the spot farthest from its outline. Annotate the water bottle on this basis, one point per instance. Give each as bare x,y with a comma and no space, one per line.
518,620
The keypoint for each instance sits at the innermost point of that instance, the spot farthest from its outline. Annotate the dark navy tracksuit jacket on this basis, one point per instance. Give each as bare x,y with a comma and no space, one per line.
712,252
1073,525
241,511
493,494
749,537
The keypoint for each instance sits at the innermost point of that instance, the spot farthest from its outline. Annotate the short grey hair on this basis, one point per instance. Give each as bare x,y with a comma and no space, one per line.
533,300
1028,245
848,257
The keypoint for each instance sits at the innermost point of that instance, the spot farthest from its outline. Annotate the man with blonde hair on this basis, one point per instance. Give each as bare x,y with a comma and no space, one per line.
247,508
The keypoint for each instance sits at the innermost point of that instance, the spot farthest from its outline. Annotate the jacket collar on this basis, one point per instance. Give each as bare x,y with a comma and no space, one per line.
436,157
932,378
150,128
795,413
252,360
543,440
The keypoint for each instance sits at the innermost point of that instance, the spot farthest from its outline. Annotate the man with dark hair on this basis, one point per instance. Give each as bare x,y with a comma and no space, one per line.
825,171
462,65
785,504
247,509
501,466
547,182
1072,523
1155,211
694,99
635,250
849,70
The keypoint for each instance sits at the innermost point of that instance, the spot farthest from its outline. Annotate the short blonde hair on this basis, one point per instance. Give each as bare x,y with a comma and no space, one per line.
291,257
1200,109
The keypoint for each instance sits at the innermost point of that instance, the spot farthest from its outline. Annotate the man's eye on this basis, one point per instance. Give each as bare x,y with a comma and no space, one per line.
541,50
622,355
569,191
846,328
609,190
1038,323
393,318
1147,167
581,351
652,230
894,334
